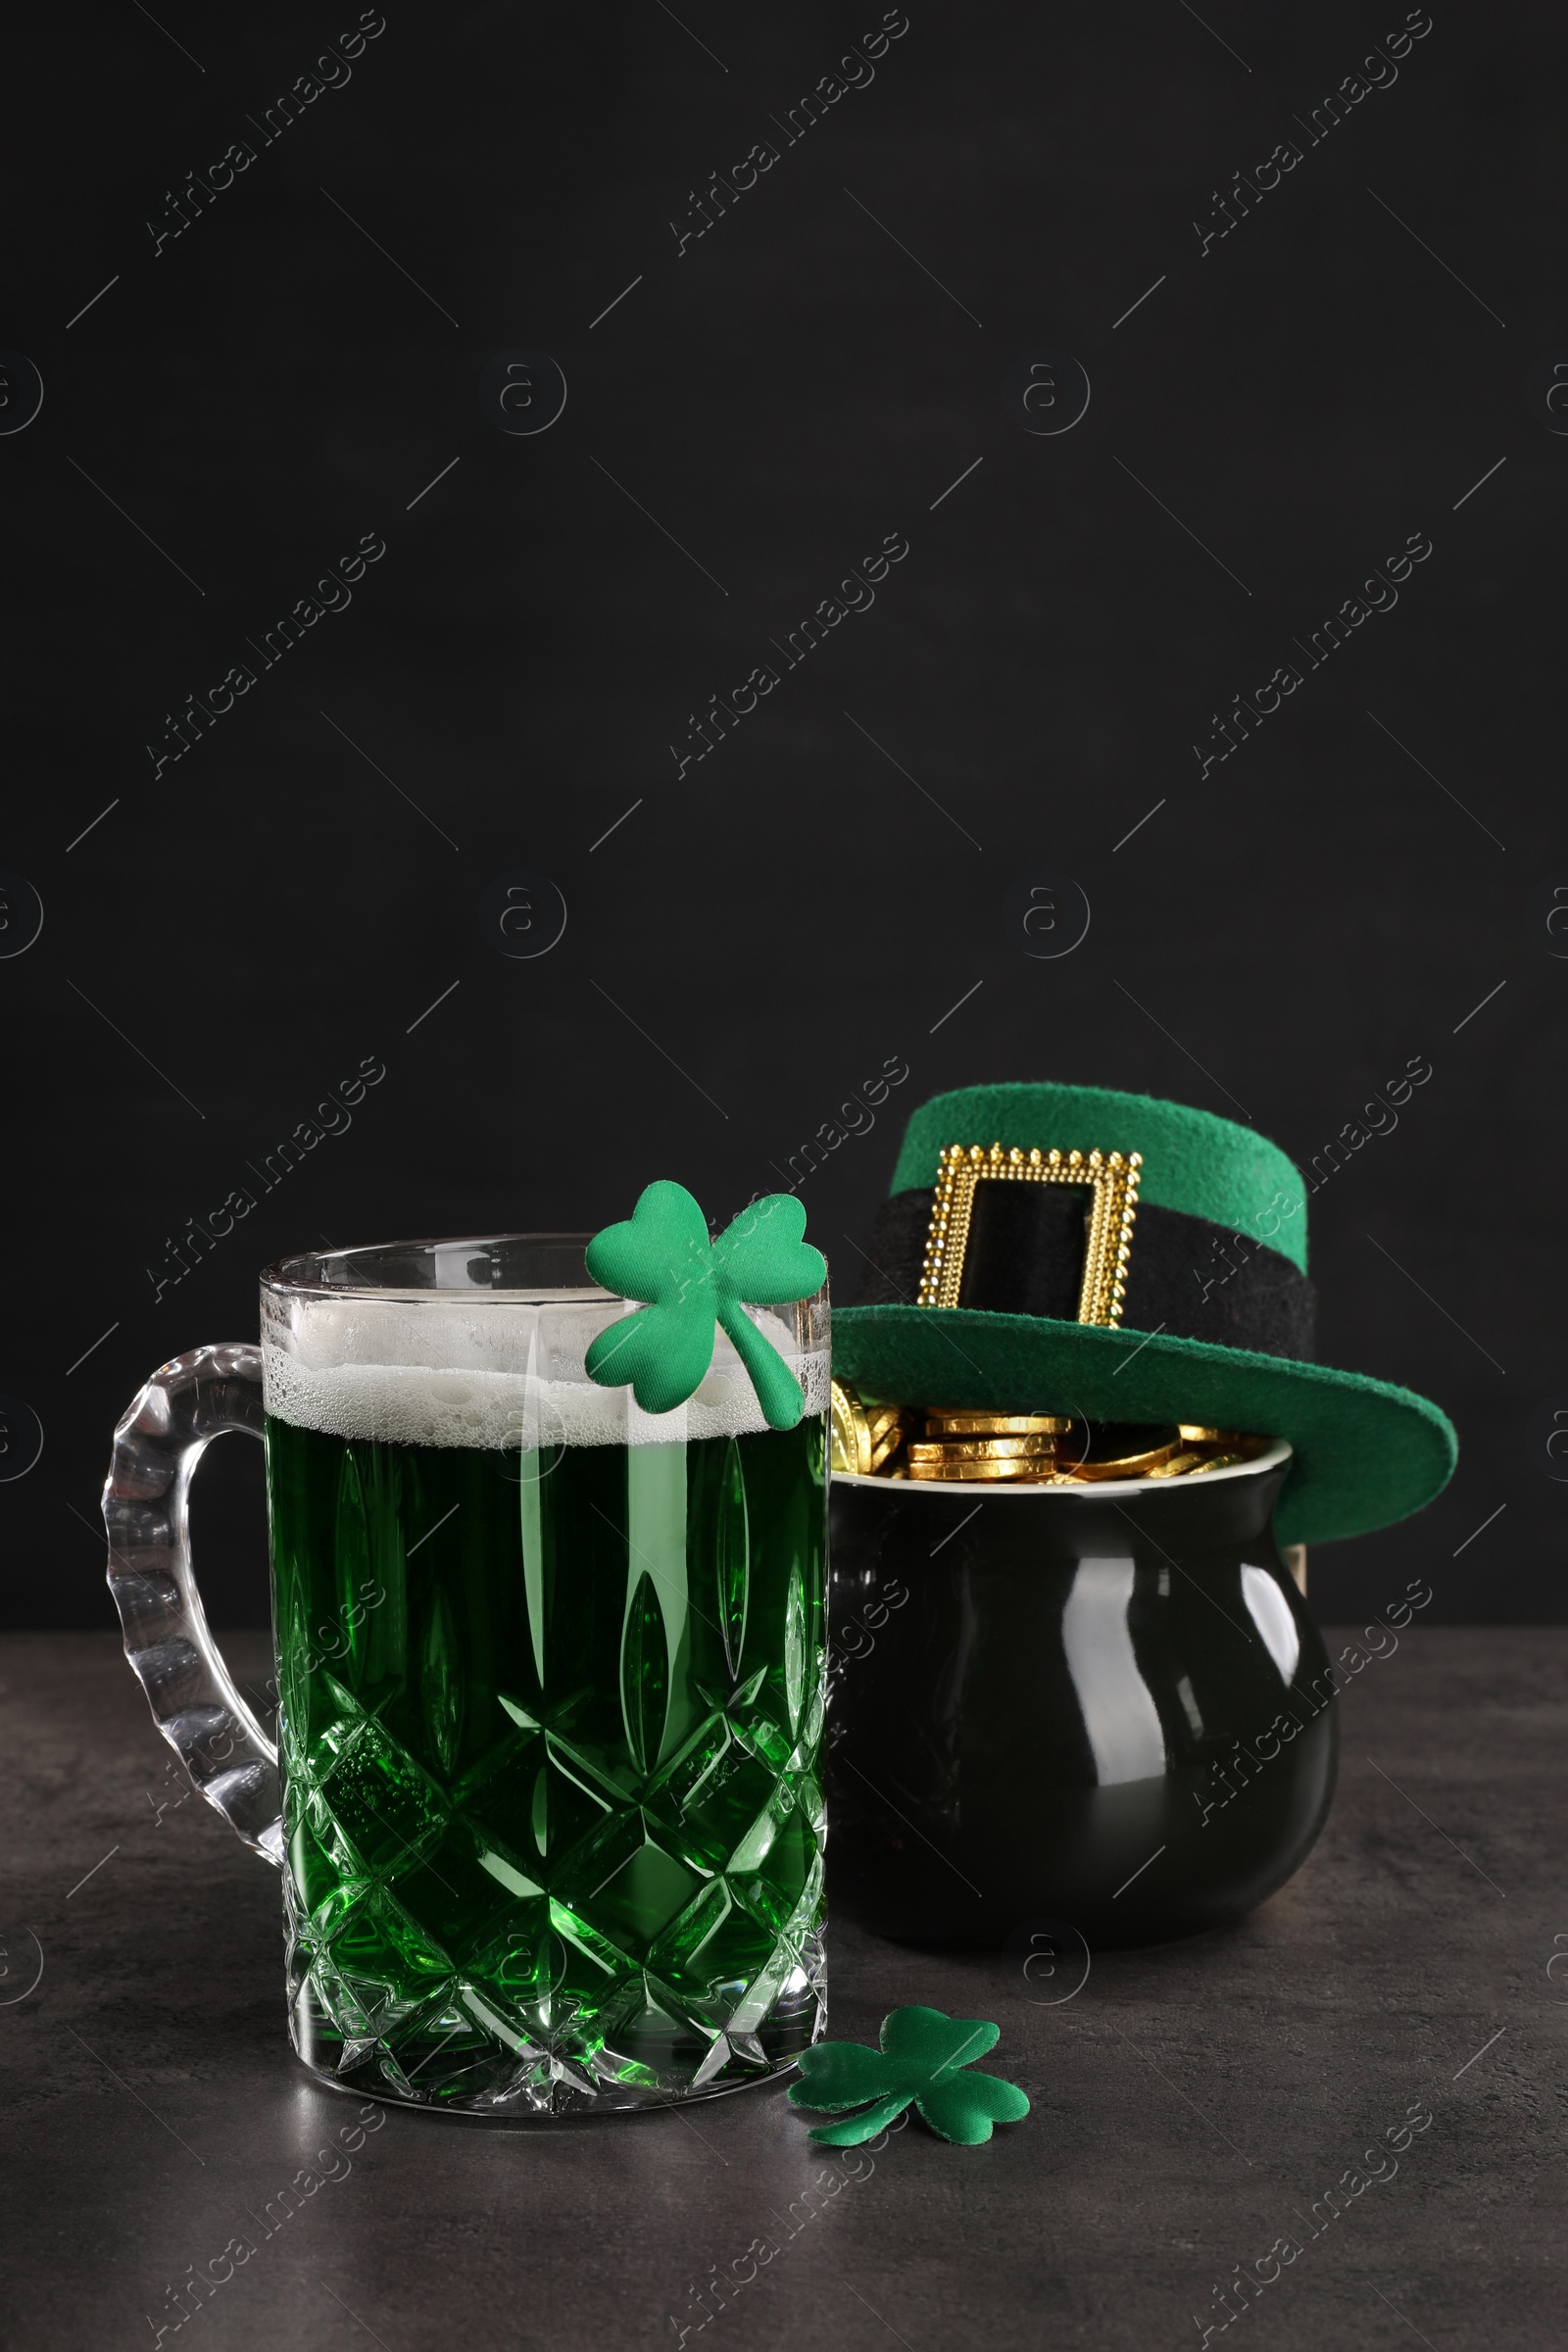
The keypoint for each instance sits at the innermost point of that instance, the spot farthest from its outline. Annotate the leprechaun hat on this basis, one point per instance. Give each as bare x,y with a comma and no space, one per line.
1064,1248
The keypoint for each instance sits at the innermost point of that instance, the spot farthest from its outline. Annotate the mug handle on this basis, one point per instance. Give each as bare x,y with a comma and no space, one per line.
163,1436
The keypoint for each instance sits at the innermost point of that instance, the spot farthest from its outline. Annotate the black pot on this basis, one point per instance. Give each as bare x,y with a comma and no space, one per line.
1103,1708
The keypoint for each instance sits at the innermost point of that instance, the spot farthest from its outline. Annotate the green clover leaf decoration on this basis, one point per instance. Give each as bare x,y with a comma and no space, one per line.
921,2058
662,1254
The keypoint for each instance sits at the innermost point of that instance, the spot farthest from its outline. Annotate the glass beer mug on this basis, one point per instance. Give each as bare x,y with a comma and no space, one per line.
545,1795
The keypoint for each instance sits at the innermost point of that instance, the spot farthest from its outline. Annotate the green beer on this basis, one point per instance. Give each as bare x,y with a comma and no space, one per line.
550,1721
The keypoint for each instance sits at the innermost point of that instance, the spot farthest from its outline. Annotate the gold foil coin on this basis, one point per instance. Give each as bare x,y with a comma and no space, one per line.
1180,1463
944,1421
1019,1472
986,1450
1122,1466
863,1437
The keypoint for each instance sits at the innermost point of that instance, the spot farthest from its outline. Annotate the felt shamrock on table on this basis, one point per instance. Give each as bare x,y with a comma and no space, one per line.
922,2058
662,1254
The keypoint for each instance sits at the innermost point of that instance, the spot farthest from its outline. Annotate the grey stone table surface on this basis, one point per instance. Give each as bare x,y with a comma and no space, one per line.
1192,2105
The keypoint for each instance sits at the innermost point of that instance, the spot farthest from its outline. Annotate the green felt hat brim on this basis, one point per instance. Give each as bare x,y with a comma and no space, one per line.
1366,1452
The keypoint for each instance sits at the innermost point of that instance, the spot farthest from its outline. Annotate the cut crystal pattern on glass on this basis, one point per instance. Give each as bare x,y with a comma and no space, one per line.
545,1790
553,1815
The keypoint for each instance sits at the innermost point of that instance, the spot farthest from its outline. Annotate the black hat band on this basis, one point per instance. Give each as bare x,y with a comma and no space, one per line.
1185,1277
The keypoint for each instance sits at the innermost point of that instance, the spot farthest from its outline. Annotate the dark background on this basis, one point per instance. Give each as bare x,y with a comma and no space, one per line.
1278,940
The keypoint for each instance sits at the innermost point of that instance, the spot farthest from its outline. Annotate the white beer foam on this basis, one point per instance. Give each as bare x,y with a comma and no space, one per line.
500,1378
